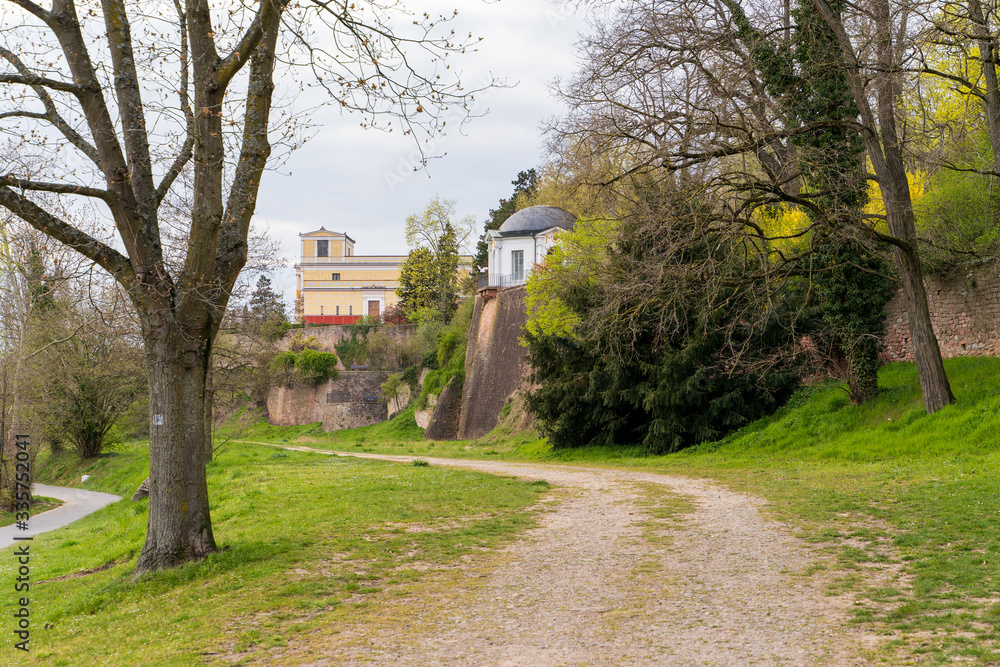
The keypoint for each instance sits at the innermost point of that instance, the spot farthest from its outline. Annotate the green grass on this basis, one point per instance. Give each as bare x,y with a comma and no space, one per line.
39,504
905,504
904,507
307,540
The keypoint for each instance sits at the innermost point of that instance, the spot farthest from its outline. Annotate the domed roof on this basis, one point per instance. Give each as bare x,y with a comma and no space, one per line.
537,219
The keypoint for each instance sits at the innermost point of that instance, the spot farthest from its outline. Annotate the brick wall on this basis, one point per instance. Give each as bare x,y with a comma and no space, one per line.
965,312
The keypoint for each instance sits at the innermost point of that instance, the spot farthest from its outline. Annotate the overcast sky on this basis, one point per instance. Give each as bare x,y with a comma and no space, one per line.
346,178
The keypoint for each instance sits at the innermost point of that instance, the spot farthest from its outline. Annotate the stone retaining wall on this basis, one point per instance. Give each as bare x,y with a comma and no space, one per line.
965,313
495,362
339,403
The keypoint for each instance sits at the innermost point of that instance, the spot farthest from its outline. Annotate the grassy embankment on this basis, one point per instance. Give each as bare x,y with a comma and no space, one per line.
39,504
310,543
906,504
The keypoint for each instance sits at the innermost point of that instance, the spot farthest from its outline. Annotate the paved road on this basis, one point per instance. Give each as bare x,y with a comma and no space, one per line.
78,504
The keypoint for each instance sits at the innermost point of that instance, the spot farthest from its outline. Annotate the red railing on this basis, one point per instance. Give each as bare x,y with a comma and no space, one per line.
332,319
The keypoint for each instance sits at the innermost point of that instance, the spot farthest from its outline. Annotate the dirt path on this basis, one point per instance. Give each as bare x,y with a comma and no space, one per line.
603,581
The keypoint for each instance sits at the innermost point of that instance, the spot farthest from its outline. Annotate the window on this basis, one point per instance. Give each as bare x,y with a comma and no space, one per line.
338,310
517,264
350,310
322,248
336,276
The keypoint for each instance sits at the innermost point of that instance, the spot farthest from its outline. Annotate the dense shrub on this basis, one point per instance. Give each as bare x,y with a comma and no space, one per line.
306,367
313,367
671,344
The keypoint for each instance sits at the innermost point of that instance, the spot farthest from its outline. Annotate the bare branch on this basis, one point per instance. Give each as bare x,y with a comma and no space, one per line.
34,80
51,114
58,188
268,14
57,342
187,150
108,258
32,8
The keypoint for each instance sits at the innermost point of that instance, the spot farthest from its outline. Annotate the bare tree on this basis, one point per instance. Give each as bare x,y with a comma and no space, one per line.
120,100
87,381
35,272
876,63
684,90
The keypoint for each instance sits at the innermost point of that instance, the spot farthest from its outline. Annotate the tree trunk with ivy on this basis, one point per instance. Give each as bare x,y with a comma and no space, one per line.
879,83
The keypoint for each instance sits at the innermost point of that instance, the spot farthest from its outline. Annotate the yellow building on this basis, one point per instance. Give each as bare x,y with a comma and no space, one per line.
335,286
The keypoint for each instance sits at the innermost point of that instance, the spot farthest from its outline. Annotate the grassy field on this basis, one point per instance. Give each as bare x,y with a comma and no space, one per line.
903,506
906,505
308,541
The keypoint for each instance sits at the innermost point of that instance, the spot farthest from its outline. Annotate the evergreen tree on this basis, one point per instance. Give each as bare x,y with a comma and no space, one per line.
437,232
266,305
655,366
447,272
524,185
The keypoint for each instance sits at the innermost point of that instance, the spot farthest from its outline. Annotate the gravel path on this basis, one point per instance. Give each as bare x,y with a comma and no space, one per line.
603,582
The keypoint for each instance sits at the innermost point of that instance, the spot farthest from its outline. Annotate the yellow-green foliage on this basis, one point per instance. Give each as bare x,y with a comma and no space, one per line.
785,225
576,260
942,99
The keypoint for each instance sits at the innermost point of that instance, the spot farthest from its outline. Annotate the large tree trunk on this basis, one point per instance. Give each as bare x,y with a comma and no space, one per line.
899,213
926,351
895,189
886,154
180,526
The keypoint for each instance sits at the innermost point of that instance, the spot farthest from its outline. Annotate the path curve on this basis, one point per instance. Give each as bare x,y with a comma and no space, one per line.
77,503
721,585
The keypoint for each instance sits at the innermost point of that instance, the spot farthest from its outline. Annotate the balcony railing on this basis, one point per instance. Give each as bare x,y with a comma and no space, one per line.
509,280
